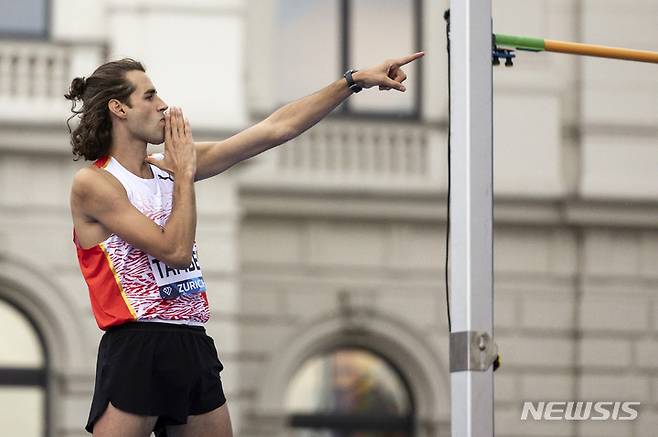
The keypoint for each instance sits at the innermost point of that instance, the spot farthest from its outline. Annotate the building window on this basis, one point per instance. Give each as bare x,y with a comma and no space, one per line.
321,39
24,18
349,392
23,382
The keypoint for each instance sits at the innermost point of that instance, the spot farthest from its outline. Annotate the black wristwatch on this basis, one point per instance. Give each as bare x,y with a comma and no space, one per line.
350,81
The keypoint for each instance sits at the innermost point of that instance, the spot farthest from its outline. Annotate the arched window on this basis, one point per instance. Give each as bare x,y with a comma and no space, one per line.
24,18
349,392
23,382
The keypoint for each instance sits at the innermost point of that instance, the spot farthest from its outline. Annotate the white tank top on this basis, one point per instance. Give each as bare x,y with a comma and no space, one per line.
127,284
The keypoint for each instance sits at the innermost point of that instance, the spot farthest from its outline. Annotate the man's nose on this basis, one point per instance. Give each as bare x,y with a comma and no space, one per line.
163,106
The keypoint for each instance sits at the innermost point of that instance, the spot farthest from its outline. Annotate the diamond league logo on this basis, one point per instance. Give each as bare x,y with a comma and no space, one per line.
167,290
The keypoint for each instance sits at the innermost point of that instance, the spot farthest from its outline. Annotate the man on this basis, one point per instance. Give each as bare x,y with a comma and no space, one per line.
134,220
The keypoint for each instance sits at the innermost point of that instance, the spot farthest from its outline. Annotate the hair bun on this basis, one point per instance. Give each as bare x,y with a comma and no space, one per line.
77,88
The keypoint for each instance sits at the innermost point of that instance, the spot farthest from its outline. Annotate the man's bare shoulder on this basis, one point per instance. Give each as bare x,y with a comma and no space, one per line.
93,183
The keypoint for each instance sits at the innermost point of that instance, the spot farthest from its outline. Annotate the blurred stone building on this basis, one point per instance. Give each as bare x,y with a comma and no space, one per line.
325,257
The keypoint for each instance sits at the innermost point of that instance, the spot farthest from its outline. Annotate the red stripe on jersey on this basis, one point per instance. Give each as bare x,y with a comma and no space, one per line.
102,161
107,300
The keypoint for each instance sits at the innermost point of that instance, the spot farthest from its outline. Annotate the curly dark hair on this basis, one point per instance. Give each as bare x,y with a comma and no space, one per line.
92,138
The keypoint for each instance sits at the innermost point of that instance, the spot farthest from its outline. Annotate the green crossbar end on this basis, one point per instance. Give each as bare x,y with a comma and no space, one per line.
520,42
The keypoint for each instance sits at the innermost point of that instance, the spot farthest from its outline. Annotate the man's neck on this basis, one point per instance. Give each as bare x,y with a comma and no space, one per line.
131,157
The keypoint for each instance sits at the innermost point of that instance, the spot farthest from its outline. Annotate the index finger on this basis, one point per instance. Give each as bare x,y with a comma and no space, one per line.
176,128
406,59
167,129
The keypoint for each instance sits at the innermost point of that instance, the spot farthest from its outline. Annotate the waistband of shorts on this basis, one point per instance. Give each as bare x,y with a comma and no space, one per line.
157,326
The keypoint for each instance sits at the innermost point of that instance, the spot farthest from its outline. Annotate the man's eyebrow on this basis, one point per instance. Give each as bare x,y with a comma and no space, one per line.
150,91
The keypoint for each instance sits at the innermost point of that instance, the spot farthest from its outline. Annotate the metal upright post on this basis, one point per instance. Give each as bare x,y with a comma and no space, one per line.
472,349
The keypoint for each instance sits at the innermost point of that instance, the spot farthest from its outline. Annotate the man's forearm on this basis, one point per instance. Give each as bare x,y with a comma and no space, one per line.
302,114
181,225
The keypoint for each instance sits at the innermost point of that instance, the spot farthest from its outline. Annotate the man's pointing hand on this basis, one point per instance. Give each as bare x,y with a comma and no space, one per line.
386,75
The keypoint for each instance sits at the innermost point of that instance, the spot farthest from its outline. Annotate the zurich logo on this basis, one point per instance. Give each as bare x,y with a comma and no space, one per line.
167,290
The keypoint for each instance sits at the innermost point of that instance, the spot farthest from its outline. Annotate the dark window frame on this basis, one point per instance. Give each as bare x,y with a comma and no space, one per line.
41,36
22,377
345,110
360,422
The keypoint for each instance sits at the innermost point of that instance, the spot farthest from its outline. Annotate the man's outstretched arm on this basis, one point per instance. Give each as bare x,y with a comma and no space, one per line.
294,118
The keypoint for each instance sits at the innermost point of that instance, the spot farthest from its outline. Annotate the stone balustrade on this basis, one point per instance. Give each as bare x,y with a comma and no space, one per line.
357,154
35,75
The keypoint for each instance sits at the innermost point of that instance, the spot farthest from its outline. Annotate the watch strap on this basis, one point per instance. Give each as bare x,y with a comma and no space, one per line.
350,81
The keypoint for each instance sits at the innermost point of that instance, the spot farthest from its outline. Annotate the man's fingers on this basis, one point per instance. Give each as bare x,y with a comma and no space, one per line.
176,129
181,124
388,82
167,131
400,76
188,130
406,59
159,161
152,160
172,125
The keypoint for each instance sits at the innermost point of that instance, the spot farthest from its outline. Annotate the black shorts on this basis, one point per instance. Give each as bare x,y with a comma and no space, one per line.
157,369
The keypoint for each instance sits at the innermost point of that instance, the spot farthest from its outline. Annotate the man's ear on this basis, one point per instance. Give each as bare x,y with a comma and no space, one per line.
116,108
